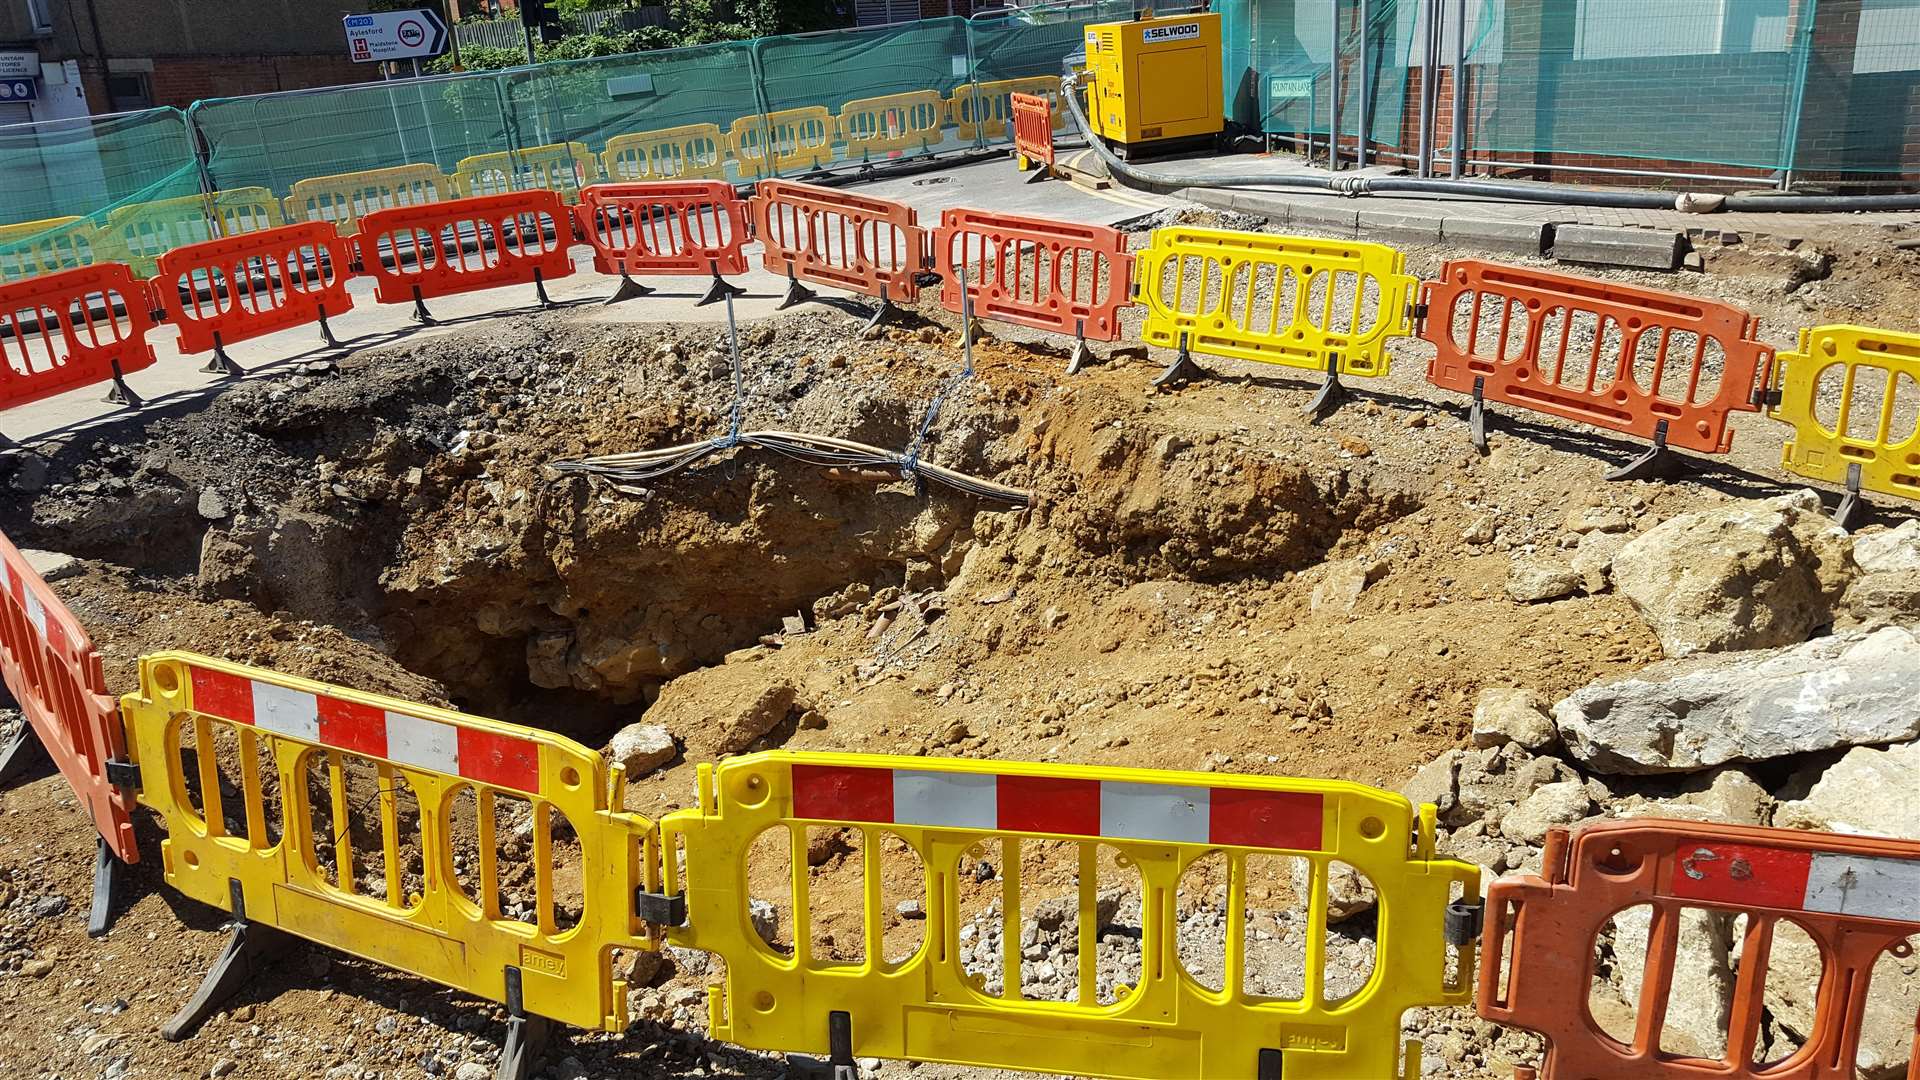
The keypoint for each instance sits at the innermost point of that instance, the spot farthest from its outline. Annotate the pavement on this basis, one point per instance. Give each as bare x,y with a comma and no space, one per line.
175,382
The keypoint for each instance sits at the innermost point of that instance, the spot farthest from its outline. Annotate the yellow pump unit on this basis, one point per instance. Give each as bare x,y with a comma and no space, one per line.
1155,82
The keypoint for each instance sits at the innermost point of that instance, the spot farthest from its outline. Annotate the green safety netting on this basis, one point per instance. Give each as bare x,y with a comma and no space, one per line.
1275,64
65,181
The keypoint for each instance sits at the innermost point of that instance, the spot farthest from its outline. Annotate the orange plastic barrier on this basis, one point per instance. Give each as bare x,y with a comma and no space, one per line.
50,666
1051,275
1659,365
1033,132
1857,897
73,328
667,227
464,245
870,246
224,291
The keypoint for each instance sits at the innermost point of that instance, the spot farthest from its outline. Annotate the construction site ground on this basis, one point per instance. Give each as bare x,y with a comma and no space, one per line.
1181,595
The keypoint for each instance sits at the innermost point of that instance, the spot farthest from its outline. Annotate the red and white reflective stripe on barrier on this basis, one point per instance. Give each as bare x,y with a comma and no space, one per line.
1863,886
1173,813
484,756
665,227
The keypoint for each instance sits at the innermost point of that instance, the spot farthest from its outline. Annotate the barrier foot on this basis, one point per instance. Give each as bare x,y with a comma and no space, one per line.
540,292
106,875
1333,393
1658,461
1044,172
250,949
326,333
629,290
881,314
719,290
840,1046
796,294
1477,416
121,393
222,364
420,313
526,1035
23,750
1853,508
1183,370
1082,356
972,332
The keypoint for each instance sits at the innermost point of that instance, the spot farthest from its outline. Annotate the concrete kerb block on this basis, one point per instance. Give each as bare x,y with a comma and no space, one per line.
1339,216
1607,245
1498,234
1402,226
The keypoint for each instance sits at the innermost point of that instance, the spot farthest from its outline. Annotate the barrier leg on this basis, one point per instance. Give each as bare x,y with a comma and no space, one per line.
1477,416
1853,506
420,313
540,291
1332,393
629,290
326,333
796,293
250,950
1658,461
1082,356
22,750
220,363
1182,371
972,332
121,393
526,1035
881,314
840,1047
721,288
106,876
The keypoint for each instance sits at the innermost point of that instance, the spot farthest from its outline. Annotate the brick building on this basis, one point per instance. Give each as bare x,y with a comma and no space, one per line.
101,56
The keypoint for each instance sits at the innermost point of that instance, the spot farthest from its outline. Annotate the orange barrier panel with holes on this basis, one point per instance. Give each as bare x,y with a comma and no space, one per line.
665,227
853,242
223,291
1659,365
50,666
1856,897
1053,275
462,245
71,329
1032,130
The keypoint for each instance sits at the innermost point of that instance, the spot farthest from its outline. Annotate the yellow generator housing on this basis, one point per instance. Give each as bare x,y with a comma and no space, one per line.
1156,82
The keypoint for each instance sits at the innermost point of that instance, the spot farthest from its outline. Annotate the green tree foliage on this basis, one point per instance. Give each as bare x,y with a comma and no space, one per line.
694,22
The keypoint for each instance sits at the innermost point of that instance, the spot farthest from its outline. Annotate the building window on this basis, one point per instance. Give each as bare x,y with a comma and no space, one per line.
41,16
129,91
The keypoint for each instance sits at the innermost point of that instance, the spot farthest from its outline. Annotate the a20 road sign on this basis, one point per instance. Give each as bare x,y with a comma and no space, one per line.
395,35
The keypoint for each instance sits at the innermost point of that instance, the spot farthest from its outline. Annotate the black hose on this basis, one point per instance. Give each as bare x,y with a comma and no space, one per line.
1514,190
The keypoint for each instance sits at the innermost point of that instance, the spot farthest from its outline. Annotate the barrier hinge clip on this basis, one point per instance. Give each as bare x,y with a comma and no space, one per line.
1767,398
1464,921
664,909
123,774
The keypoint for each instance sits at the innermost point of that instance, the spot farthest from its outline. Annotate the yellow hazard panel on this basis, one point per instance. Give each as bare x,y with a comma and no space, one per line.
1057,918
41,247
892,123
796,139
562,167
984,110
1852,394
1275,299
445,845
139,233
688,152
345,198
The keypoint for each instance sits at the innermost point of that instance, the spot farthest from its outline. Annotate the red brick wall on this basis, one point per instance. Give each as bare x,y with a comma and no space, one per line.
180,81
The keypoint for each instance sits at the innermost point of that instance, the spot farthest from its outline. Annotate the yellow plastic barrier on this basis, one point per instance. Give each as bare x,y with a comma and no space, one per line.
894,122
561,167
139,233
53,244
1872,379
987,112
799,138
933,999
410,836
1301,302
688,152
344,198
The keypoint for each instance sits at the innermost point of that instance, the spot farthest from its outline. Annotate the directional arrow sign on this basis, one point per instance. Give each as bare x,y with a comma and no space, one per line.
395,35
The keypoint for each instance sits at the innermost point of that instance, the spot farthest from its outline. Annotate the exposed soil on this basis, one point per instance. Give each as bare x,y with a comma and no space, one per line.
1180,596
